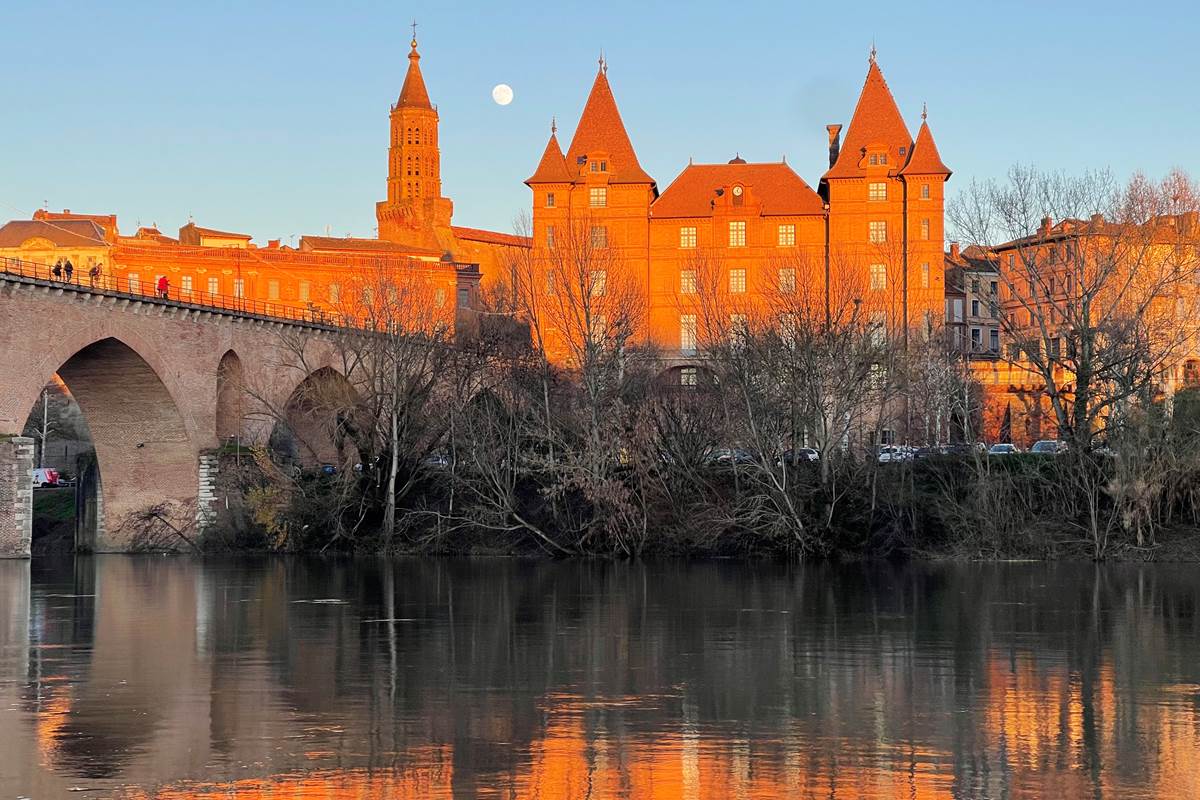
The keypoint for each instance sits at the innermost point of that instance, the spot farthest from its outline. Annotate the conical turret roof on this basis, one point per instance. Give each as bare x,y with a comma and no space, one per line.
553,166
924,158
876,121
600,129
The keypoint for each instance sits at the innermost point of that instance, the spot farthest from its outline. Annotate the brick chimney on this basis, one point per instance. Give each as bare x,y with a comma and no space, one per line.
954,251
835,142
1045,227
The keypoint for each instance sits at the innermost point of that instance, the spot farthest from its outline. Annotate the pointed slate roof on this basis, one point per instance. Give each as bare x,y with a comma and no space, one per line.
600,129
876,120
553,166
413,93
924,158
775,185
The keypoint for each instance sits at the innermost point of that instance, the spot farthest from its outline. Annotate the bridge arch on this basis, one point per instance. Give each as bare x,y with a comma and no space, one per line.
231,396
314,425
147,462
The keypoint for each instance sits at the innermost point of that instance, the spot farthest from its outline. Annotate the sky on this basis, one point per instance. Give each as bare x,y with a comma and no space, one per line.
272,118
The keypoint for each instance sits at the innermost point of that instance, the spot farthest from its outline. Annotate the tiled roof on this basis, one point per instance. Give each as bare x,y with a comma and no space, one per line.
924,158
351,244
876,121
63,232
413,93
600,130
490,237
216,233
553,166
780,190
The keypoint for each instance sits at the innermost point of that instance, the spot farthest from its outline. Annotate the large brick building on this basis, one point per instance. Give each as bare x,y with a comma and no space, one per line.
872,230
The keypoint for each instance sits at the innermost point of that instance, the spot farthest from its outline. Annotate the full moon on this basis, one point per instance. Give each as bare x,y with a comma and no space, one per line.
502,94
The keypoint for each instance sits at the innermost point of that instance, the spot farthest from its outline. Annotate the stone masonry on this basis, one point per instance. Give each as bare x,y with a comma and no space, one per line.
16,496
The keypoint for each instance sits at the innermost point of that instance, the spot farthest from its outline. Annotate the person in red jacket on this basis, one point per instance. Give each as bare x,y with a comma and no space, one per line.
163,287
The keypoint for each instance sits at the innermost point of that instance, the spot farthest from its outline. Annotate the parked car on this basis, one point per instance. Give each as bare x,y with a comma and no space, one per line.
44,477
436,461
891,454
800,455
1003,449
1049,447
731,456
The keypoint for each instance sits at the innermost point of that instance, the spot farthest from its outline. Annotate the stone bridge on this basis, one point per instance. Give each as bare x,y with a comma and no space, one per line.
162,386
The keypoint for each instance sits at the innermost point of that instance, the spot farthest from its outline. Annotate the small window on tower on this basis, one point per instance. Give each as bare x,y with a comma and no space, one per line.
924,191
598,166
925,228
549,199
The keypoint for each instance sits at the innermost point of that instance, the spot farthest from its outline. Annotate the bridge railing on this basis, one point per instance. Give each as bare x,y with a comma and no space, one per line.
82,280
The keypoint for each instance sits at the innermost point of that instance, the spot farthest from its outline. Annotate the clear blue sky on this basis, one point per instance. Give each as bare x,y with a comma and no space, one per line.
271,118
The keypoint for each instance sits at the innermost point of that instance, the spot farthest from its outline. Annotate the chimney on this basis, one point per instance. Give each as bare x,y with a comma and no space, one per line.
835,142
1097,220
1045,228
954,251
272,244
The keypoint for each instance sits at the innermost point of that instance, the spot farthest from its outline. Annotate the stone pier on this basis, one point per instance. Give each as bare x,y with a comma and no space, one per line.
16,496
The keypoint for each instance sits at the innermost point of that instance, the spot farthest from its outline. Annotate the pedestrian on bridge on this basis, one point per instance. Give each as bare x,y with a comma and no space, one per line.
57,271
163,286
69,269
93,274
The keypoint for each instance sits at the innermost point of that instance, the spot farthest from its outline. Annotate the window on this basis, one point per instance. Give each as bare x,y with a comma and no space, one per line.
878,276
304,291
367,296
599,282
924,191
549,199
1012,259
687,237
878,231
440,296
787,235
551,286
599,328
737,281
925,228
272,290
1055,348
994,340
185,284
335,292
214,285
877,191
239,287
924,274
974,308
787,280
958,310
598,166
599,236
687,333
687,376
976,339
737,234
975,285
598,196
992,288
737,326
464,298
135,283
887,436
550,236
687,281
878,329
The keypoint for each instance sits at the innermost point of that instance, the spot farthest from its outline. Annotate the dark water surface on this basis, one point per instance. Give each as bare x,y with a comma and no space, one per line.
148,677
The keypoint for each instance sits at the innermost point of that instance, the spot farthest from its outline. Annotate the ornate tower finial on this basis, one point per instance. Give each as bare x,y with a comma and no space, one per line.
603,62
553,125
924,111
871,59
414,34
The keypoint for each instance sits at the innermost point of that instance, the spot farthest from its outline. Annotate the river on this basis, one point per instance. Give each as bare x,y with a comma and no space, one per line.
169,677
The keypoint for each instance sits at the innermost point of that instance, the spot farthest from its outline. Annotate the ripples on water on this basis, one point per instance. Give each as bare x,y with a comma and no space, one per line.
141,677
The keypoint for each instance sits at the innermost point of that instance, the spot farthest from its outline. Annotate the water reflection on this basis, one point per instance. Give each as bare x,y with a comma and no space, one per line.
294,678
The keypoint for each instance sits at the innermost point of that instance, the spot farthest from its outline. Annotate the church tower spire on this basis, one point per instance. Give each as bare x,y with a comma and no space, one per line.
414,202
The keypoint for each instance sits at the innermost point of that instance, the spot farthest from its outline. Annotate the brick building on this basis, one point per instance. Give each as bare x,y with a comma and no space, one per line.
871,231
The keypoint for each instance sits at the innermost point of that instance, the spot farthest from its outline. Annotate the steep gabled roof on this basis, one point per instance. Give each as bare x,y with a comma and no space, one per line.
553,166
876,121
600,130
413,93
924,158
775,185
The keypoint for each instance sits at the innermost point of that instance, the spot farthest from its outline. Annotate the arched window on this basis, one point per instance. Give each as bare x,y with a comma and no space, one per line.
417,165
408,136
416,135
408,166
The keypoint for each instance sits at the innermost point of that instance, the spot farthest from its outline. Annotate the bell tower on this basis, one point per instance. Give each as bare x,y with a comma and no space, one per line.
415,213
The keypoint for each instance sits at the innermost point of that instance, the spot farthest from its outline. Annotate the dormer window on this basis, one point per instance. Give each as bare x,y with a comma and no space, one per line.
598,166
738,195
903,150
